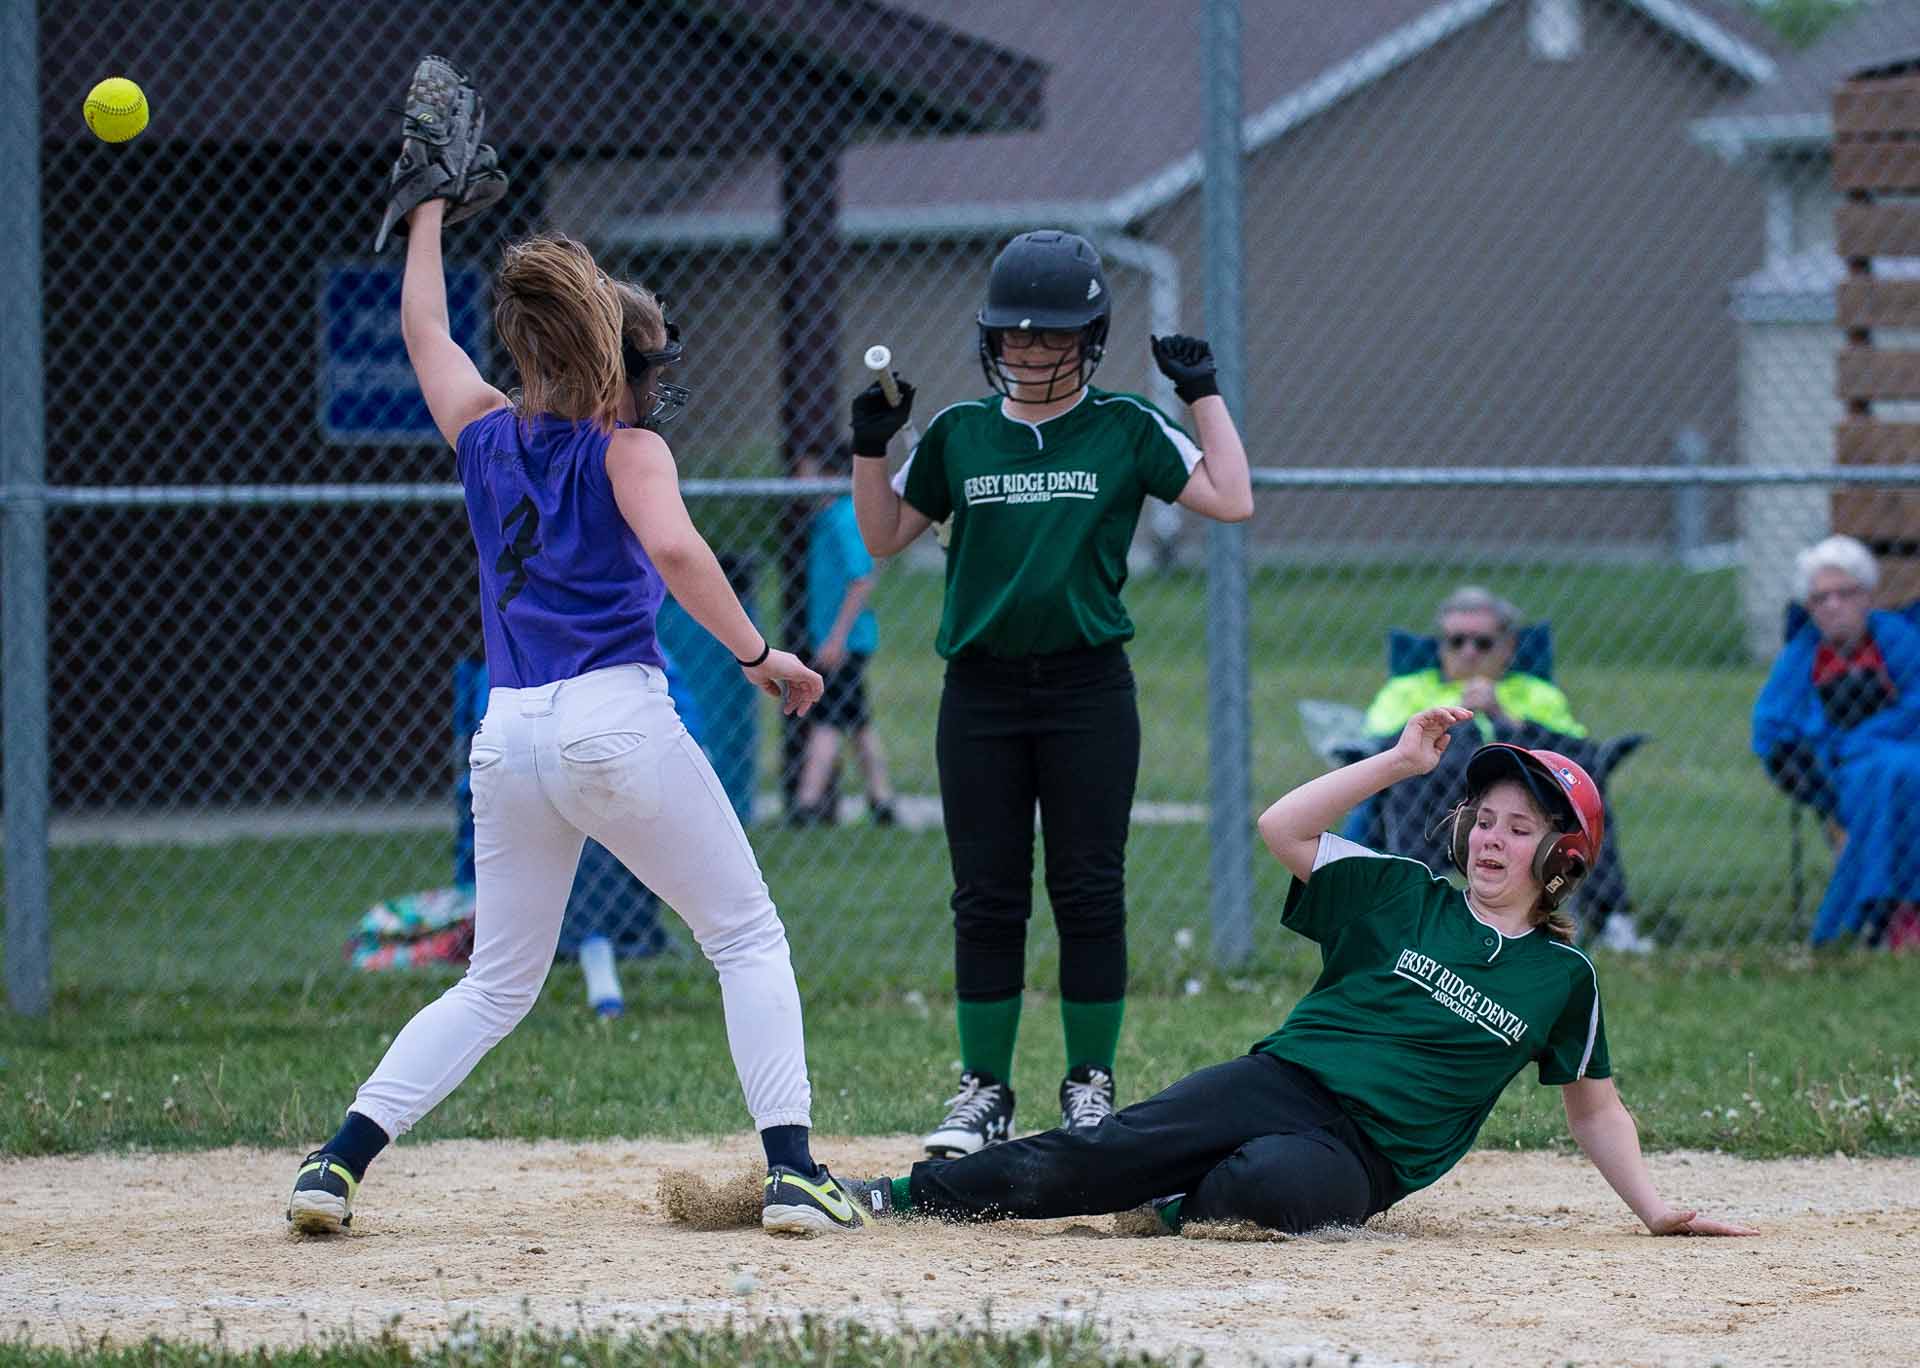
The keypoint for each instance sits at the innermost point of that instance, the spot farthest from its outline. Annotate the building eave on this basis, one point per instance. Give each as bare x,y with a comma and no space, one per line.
1741,138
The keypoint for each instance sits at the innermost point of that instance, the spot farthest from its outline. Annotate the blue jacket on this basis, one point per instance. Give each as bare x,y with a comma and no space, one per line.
1789,710
1873,769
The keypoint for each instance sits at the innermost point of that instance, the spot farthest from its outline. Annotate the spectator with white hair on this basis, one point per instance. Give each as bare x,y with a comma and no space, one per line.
1838,726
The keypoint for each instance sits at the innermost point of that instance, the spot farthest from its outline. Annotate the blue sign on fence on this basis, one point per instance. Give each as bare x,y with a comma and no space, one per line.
367,391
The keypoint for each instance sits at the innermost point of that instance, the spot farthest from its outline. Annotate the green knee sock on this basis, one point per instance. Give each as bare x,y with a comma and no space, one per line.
902,1189
1093,1031
987,1033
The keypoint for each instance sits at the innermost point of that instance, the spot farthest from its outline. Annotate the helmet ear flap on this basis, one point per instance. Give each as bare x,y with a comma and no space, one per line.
1560,865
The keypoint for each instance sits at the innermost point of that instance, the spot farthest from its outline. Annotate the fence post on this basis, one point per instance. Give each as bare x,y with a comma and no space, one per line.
23,557
1689,500
1228,712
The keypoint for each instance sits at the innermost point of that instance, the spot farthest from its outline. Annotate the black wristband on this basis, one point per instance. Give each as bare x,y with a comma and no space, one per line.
1194,390
879,455
766,649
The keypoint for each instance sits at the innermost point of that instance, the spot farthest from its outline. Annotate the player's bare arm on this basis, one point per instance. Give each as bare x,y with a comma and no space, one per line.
1606,1134
1293,826
1220,486
888,523
646,485
449,381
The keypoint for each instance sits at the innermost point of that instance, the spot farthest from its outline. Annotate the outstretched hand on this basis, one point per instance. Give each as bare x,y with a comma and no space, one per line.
785,676
1424,739
1693,1223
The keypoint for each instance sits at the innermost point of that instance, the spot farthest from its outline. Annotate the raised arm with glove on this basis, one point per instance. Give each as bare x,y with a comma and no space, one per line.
441,155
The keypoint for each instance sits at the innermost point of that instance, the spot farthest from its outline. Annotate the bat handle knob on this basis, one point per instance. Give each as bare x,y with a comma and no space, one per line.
880,361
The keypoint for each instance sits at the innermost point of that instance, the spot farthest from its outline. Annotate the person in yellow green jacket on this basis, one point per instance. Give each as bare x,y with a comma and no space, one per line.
1477,634
1477,637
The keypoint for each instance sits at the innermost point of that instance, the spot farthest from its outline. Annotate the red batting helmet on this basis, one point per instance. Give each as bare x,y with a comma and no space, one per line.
1564,792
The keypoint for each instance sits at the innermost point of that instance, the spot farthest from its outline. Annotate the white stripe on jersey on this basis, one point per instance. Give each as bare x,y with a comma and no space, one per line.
1183,444
1334,847
1593,1017
899,481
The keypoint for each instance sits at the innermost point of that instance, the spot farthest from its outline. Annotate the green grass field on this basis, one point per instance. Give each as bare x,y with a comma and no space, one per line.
1759,1054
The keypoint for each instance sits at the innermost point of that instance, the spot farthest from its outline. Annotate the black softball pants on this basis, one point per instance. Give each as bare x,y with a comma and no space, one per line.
1255,1139
1062,731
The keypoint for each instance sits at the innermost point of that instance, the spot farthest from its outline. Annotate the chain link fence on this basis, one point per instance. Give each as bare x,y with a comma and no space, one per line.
1513,320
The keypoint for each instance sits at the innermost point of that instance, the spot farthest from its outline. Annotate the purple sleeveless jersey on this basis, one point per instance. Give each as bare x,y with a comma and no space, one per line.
565,586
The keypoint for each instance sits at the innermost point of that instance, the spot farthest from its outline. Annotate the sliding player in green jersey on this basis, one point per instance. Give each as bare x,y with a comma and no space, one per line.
1430,1000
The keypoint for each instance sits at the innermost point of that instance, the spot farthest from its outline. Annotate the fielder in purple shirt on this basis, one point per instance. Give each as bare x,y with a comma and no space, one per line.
580,530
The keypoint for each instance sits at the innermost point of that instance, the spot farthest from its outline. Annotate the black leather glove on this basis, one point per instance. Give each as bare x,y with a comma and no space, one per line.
875,420
1188,362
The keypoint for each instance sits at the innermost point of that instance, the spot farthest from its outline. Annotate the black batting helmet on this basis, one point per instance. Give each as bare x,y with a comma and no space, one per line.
1046,281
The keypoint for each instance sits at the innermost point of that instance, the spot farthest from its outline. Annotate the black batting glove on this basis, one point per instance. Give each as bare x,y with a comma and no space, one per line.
1188,362
875,420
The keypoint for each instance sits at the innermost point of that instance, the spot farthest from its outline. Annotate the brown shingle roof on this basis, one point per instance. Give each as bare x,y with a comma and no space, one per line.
1124,109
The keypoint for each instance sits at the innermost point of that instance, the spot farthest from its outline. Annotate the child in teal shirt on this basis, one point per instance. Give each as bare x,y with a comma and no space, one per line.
842,635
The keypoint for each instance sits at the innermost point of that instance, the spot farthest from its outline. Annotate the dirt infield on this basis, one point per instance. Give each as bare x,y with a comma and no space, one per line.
1513,1258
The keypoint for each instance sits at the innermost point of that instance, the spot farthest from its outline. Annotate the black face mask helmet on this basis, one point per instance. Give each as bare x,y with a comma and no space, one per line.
655,402
1046,281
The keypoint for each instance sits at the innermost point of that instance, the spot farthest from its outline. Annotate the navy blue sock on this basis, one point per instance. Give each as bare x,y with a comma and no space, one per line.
356,1143
787,1145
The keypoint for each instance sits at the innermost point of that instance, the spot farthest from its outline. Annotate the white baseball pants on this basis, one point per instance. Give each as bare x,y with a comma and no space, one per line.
602,755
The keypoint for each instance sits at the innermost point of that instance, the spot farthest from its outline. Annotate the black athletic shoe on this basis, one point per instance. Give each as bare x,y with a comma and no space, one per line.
980,1114
1086,1097
883,814
796,1203
322,1201
802,815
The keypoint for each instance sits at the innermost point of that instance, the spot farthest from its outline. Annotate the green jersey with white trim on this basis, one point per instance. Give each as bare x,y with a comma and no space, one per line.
1423,1013
1043,514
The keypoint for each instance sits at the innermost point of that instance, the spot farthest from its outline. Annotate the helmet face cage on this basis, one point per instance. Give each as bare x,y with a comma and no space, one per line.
1070,374
655,402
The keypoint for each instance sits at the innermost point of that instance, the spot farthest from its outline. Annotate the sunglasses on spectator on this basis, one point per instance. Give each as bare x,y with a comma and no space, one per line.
1459,641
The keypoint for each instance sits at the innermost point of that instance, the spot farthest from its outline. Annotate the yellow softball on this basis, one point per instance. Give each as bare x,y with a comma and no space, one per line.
116,109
